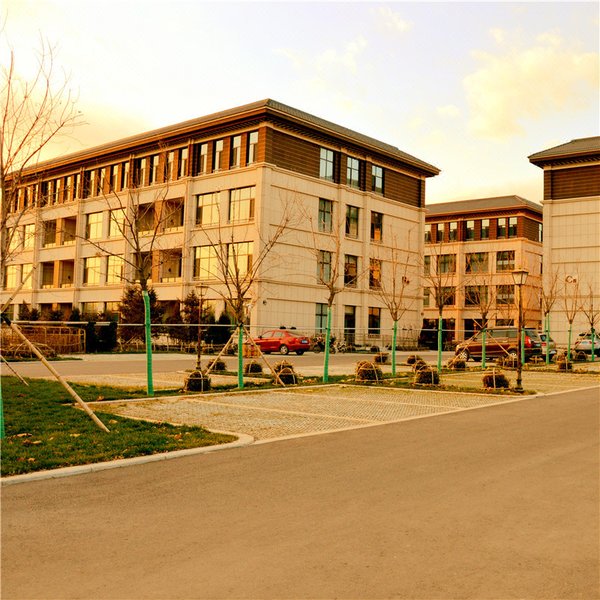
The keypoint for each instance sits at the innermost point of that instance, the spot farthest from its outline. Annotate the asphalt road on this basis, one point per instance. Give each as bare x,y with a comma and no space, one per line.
500,502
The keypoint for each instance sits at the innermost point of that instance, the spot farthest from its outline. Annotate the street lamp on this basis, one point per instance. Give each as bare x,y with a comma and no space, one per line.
201,290
520,277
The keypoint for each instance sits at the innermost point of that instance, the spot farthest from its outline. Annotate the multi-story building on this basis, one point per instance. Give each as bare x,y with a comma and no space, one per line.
175,205
471,249
572,232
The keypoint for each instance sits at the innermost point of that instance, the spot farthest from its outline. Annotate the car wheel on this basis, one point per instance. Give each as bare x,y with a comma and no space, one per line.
299,352
284,349
464,355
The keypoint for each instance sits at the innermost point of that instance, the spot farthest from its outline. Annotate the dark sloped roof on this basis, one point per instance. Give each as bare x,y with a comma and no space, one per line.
264,106
574,148
481,204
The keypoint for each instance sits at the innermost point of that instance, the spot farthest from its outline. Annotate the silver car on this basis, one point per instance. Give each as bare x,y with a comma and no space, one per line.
584,343
551,343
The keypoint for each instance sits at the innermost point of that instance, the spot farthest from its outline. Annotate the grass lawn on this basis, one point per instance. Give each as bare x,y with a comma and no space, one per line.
44,430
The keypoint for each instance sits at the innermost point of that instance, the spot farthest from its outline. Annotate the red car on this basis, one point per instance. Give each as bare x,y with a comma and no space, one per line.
282,340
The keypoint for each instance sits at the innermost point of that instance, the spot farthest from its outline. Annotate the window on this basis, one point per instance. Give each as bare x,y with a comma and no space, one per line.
207,209
171,262
113,175
453,231
206,265
241,204
426,296
153,169
145,216
352,221
446,263
353,172
505,294
428,233
11,277
448,296
14,235
170,166
477,262
116,225
427,265
512,227
320,317
124,183
202,159
91,270
469,231
376,226
505,260
252,147
218,151
69,230
437,230
49,233
374,320
93,226
239,259
25,271
101,181
325,215
47,274
139,172
326,164
114,271
501,228
377,179
172,214
540,236
375,274
350,270
476,295
324,266
485,229
182,162
29,236
235,158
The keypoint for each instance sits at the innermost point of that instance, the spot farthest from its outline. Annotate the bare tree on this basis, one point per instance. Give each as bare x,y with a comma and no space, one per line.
591,310
35,112
571,305
549,293
392,289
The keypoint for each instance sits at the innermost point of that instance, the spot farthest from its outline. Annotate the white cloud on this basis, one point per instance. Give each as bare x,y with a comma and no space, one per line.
393,20
543,80
449,110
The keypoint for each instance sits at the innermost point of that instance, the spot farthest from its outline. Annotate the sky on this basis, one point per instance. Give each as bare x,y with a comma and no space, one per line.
472,88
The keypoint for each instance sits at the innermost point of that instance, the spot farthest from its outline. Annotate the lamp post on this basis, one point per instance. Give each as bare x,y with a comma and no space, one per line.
201,290
520,277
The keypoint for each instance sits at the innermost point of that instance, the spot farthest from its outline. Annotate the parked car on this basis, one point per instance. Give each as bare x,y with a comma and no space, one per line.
551,344
583,343
284,341
500,341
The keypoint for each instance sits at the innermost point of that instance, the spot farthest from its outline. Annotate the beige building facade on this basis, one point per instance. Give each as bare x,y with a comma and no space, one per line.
572,232
175,205
471,249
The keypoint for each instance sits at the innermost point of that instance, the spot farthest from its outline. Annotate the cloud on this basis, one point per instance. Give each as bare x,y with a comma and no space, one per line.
540,81
392,20
449,110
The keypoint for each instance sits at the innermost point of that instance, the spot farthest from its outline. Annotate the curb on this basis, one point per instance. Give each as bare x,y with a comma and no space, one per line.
243,440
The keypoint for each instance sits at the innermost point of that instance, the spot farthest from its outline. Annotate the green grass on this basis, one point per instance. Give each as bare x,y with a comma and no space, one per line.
43,429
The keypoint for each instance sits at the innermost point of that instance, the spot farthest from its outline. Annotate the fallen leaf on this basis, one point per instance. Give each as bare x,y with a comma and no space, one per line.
74,434
23,435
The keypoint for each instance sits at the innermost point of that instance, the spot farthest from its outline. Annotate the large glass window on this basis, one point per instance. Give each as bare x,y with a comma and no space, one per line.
352,221
469,231
324,266
350,270
446,263
93,226
241,204
375,274
252,146
505,294
124,176
91,270
114,271
116,225
477,262
505,260
139,172
153,168
182,162
448,295
476,295
453,231
438,230
512,227
326,164
428,233
49,233
501,227
239,259
377,179
374,320
29,236
25,271
353,172
207,209
11,277
376,226
206,265
325,215
202,159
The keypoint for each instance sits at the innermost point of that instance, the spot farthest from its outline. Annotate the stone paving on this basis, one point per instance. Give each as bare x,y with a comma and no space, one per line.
269,414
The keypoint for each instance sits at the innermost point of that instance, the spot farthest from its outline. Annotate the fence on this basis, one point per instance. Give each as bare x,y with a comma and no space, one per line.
60,339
